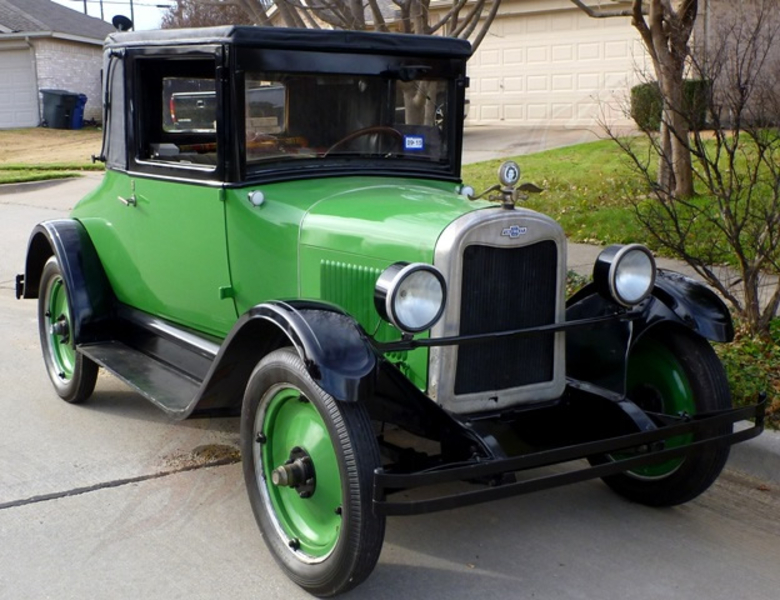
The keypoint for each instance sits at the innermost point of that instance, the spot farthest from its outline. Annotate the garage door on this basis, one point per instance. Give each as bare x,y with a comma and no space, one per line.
558,68
18,101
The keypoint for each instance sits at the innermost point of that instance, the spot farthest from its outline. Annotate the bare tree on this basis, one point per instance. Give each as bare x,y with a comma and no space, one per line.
194,13
665,27
406,16
729,233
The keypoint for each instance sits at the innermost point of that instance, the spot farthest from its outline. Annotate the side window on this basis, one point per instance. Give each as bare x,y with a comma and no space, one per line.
177,100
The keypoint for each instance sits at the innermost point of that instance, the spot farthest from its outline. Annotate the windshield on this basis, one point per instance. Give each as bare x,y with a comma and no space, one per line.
300,116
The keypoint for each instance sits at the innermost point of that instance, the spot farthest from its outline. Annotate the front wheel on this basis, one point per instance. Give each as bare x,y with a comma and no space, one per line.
72,374
308,464
674,373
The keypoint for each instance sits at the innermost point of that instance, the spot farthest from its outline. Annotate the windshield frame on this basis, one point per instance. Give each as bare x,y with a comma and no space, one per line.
312,63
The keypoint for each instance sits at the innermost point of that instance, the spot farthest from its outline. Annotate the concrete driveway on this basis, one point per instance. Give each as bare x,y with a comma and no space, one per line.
112,500
488,142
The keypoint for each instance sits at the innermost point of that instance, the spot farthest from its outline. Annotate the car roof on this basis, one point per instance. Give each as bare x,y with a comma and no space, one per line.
299,39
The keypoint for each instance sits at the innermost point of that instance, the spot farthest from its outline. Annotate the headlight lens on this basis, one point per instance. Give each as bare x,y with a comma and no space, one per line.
410,296
625,273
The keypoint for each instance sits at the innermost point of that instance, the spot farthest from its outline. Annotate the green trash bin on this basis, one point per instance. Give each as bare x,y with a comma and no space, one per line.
58,108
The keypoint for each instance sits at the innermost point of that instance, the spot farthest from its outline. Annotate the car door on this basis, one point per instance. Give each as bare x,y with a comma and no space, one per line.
173,227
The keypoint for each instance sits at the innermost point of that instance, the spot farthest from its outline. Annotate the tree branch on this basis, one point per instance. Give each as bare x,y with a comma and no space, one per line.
379,20
456,8
476,10
486,25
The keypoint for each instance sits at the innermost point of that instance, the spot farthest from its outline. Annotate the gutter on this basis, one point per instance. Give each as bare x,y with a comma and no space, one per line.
51,34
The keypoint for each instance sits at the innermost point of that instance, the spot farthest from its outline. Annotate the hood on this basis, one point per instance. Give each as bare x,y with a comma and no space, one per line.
386,220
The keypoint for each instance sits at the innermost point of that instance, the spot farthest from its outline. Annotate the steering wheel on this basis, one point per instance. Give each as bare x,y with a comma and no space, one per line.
380,129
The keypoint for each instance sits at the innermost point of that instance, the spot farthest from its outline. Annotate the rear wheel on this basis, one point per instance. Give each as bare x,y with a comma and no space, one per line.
72,374
674,373
308,464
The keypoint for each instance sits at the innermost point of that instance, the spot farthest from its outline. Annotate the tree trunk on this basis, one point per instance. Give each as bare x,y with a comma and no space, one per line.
677,127
665,177
751,313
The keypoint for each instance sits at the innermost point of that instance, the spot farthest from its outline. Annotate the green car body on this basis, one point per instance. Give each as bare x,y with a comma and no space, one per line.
282,234
321,239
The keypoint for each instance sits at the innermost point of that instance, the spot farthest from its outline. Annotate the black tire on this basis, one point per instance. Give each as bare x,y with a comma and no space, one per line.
698,367
72,374
280,393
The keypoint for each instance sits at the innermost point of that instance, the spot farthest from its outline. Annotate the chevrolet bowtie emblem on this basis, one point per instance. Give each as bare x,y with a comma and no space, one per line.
514,231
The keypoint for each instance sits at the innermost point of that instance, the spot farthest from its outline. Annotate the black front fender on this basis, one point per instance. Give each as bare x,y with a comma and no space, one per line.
601,356
89,292
334,348
694,305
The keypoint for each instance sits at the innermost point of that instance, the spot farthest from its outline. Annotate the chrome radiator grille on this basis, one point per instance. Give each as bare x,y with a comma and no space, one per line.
505,270
504,289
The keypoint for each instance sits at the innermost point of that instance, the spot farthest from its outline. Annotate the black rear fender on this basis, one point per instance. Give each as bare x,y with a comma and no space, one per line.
90,294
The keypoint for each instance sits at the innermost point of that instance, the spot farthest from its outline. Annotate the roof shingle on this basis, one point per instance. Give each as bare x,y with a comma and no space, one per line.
31,16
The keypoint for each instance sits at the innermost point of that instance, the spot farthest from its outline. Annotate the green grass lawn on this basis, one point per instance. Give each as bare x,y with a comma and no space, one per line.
16,173
586,189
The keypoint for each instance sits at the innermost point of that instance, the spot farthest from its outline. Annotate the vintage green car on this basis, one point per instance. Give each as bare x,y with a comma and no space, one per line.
282,234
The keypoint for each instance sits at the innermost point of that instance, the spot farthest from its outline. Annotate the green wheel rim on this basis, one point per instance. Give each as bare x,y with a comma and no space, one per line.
61,345
654,370
311,525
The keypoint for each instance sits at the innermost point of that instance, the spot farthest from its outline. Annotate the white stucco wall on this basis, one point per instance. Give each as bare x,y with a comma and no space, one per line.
71,66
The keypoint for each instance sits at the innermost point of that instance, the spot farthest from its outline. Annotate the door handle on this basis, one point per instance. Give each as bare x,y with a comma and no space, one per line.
131,201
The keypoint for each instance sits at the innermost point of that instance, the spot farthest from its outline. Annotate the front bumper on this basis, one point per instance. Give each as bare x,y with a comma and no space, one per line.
643,448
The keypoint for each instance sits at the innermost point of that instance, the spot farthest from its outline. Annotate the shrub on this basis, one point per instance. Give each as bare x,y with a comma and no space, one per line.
647,104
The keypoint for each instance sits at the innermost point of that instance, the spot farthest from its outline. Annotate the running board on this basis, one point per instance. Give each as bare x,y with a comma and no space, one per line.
165,363
167,388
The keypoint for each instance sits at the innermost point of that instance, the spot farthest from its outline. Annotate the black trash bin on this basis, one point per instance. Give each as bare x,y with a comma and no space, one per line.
58,108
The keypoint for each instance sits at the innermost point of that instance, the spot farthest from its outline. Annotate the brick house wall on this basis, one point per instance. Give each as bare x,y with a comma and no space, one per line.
71,66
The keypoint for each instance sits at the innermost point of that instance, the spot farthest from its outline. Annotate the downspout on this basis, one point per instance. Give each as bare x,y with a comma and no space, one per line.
35,76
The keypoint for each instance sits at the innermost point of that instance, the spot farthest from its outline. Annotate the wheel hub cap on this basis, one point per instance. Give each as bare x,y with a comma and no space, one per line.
61,328
297,473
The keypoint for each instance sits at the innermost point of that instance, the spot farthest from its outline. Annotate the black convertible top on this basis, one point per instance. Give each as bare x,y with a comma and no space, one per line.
321,40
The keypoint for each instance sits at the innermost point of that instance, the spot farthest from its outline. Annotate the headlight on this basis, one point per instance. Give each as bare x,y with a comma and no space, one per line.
410,296
625,273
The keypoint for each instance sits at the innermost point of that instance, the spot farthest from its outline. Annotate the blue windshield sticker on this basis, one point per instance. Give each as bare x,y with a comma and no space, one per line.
414,143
